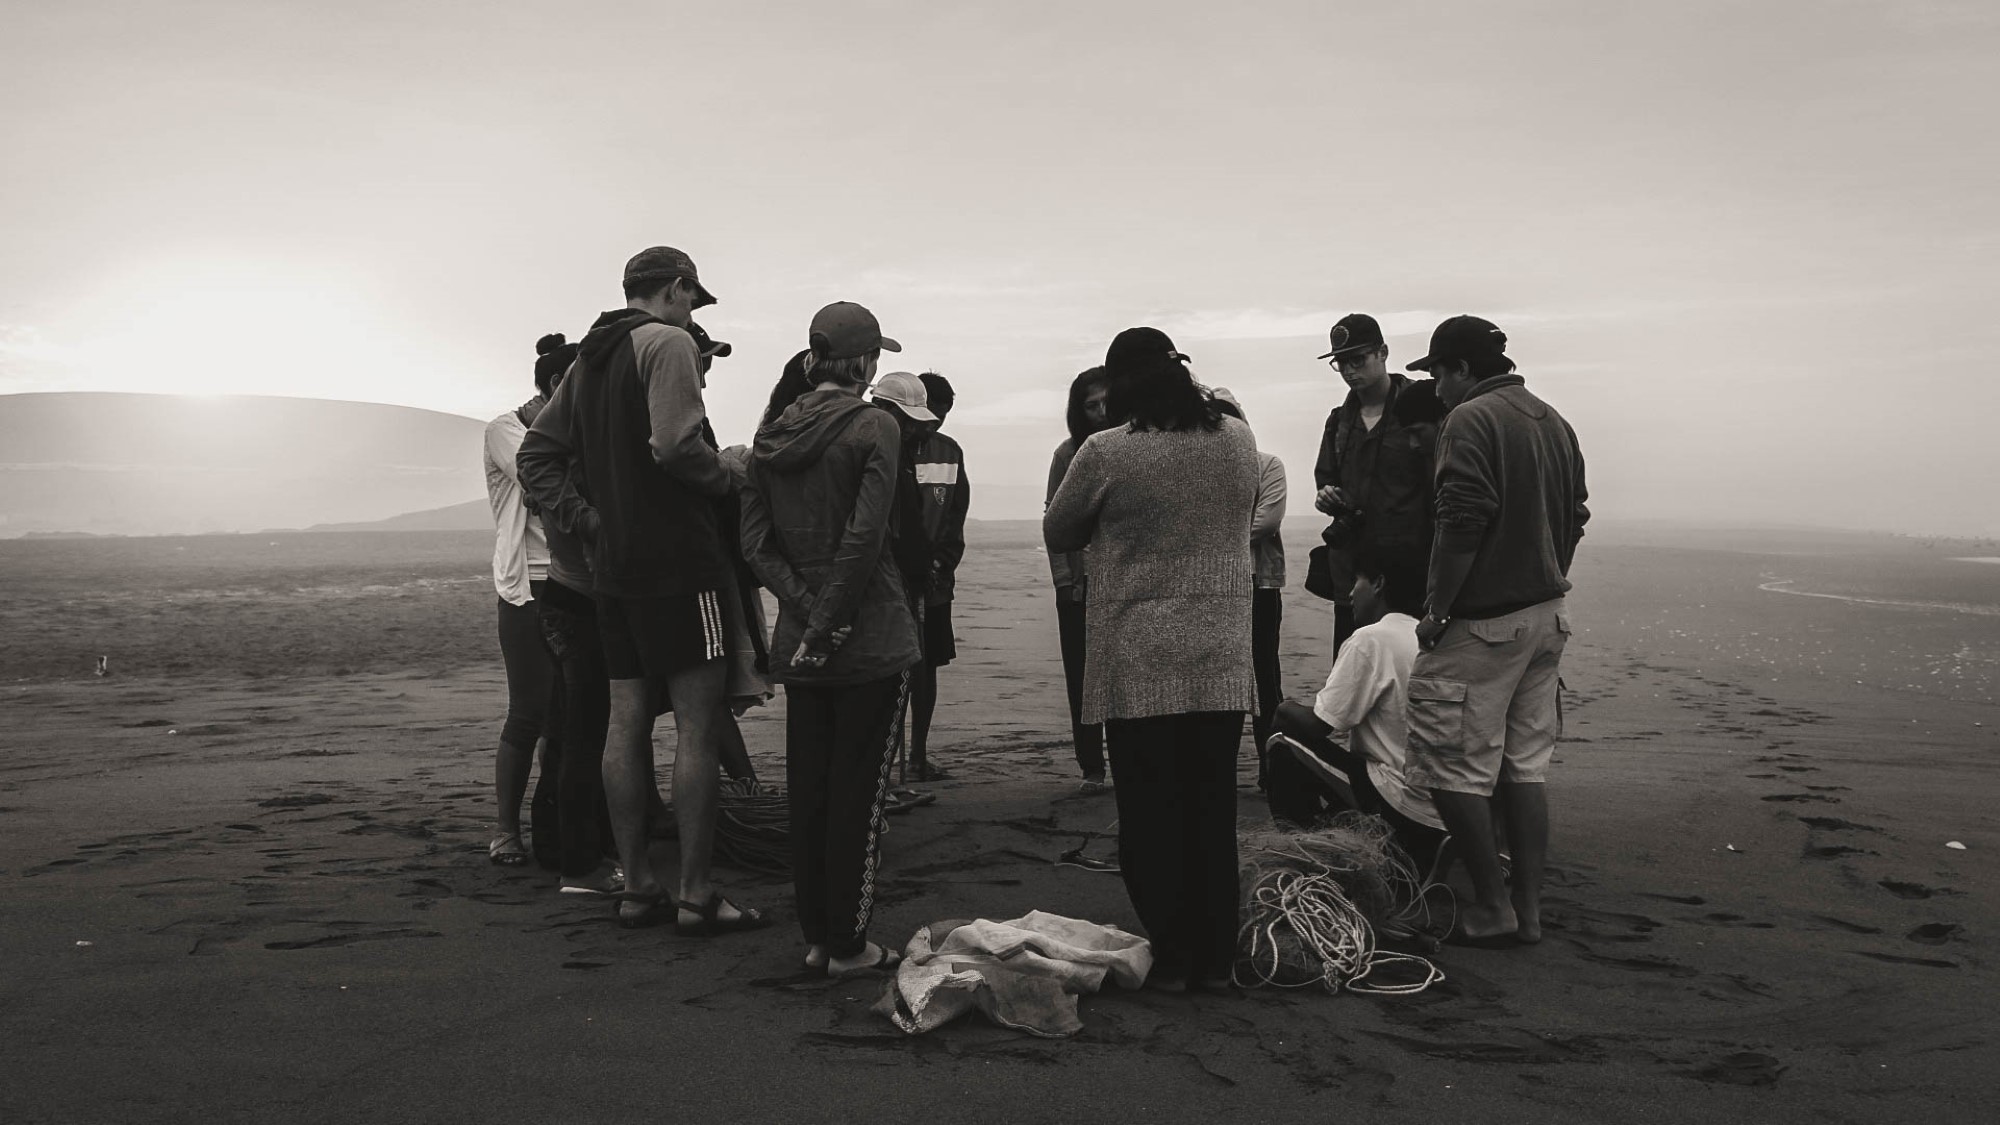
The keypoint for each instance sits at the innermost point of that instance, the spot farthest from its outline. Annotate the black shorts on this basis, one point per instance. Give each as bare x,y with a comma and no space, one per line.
658,637
940,645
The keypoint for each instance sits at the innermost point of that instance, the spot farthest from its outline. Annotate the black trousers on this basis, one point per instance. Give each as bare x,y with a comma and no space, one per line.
840,743
534,713
581,820
1302,797
1089,738
1267,609
1177,835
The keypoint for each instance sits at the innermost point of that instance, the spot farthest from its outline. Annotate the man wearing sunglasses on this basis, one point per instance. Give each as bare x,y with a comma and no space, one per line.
1374,470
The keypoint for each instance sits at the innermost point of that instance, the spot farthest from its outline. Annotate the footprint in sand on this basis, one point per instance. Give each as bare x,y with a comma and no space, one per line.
1893,959
1736,920
1794,798
330,940
1835,851
1835,824
1936,933
296,801
1651,965
1598,925
1844,924
1745,1068
1913,890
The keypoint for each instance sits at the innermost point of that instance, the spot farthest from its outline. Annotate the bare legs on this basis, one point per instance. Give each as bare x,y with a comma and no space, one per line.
1469,818
701,716
628,780
701,719
511,765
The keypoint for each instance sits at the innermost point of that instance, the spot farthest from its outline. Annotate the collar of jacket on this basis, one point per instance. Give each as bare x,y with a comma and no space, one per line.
1397,381
1493,383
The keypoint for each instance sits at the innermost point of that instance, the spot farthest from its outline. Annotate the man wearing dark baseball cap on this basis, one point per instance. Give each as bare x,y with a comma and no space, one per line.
1374,467
1483,708
630,416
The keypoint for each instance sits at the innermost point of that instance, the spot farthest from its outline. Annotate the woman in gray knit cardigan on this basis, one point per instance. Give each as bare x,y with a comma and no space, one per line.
1164,503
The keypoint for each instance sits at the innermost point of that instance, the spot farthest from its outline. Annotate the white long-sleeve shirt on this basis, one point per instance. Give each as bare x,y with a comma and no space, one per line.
520,554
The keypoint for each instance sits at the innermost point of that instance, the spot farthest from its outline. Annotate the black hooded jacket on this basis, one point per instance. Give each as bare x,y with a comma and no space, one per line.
816,518
619,456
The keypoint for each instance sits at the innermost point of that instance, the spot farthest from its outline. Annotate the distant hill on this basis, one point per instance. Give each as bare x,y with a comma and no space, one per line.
473,515
137,464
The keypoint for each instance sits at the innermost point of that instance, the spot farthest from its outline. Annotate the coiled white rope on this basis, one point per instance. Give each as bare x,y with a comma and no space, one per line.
1302,925
1319,916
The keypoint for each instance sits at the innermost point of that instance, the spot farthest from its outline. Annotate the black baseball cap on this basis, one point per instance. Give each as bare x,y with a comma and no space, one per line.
1353,333
1136,347
706,344
1459,339
663,263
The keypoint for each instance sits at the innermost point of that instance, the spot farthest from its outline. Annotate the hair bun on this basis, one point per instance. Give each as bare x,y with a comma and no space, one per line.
549,343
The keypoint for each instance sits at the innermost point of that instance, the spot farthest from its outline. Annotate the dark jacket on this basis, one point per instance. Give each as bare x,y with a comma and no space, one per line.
1509,489
629,415
1387,473
946,496
816,515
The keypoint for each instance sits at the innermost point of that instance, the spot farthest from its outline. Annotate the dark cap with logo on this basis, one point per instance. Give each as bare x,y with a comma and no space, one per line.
1460,339
706,345
1353,333
1135,348
664,263
843,330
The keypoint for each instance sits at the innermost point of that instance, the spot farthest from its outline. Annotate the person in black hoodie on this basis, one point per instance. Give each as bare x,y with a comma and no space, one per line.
816,521
1373,474
630,413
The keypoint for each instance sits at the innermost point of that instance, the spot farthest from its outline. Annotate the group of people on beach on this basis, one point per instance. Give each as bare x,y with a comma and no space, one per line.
631,547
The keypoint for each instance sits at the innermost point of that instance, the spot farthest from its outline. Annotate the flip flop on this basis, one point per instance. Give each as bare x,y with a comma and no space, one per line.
903,800
609,885
712,924
506,851
885,963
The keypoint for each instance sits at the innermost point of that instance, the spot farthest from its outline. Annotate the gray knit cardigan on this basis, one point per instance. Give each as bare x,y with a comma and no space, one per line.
1167,519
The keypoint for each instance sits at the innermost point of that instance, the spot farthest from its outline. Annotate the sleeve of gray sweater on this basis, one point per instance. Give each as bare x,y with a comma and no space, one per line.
1070,522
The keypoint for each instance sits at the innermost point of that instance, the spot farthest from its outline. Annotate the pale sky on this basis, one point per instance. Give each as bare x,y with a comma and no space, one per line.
1748,249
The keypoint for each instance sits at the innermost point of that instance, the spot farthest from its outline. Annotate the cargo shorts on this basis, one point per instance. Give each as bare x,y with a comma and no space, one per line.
1484,705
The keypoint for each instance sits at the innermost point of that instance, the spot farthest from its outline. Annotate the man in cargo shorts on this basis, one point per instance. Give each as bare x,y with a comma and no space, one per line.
1484,710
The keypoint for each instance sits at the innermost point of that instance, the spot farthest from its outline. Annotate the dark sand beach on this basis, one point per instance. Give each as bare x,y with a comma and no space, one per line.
245,880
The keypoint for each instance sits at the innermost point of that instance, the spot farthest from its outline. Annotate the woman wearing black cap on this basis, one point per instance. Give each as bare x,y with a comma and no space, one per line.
1164,502
520,567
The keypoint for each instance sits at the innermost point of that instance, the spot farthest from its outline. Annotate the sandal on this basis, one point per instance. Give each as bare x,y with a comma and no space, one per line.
593,884
885,963
506,851
712,924
654,909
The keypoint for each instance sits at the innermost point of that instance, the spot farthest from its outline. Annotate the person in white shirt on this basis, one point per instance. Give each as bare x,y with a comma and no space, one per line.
1363,702
520,567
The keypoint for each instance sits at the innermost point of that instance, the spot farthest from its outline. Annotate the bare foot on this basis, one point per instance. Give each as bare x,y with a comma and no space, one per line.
1476,922
1528,924
815,957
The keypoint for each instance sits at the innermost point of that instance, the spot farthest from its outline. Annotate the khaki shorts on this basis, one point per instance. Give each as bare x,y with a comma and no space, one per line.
1483,703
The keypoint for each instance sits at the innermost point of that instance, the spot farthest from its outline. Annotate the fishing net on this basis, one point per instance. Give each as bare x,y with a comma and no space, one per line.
753,827
1314,902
